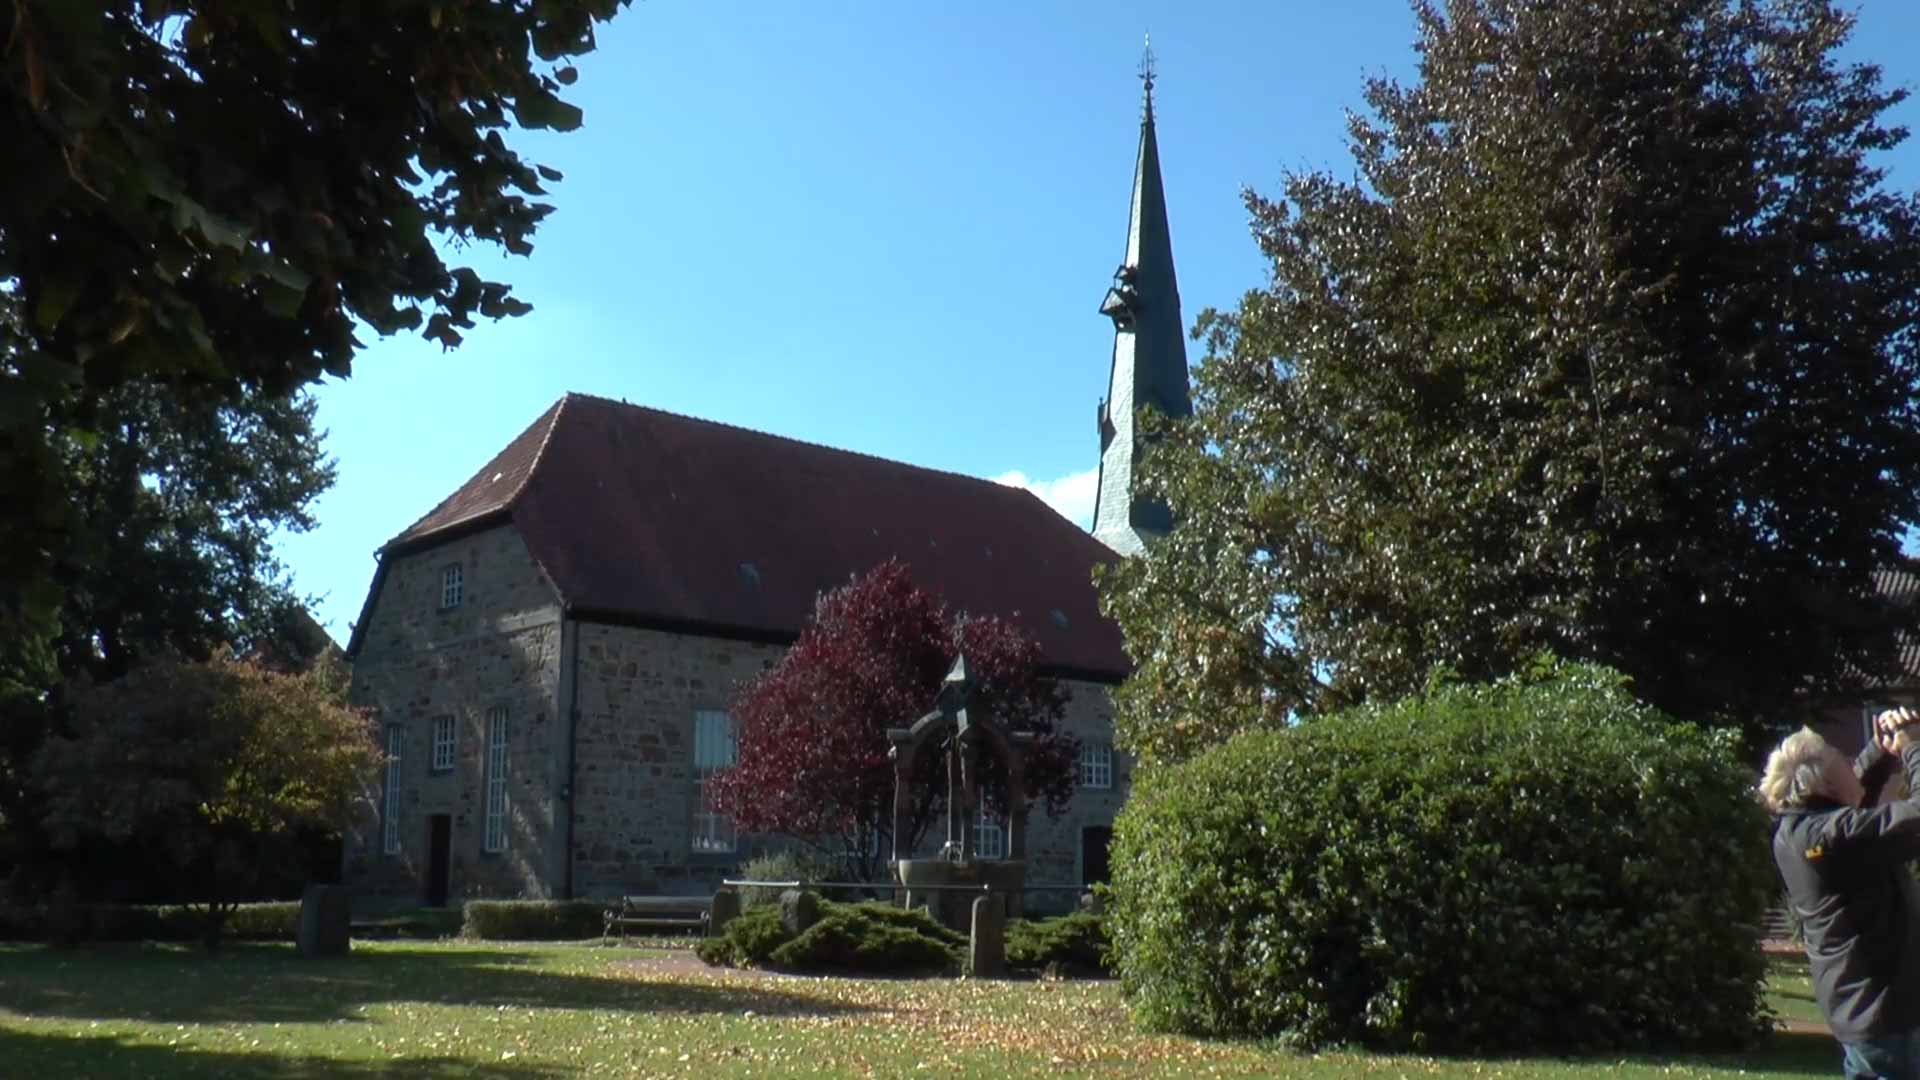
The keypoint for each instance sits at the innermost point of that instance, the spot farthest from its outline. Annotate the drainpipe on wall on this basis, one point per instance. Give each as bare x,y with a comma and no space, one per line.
569,696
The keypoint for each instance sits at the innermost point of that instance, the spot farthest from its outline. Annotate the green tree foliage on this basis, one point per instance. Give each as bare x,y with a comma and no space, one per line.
176,499
1608,348
211,197
1542,863
208,763
193,490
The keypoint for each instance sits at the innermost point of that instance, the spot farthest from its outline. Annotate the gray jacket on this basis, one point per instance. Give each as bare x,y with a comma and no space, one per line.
1859,906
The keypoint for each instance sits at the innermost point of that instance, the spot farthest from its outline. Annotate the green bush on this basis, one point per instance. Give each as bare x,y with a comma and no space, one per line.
74,923
533,920
278,921
1073,945
1540,863
872,938
787,865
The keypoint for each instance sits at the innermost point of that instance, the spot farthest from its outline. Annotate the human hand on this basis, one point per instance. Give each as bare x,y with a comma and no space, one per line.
1896,729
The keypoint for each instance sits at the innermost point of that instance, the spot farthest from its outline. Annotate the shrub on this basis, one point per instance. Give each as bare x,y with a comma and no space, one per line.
74,923
786,865
533,920
1073,944
1539,863
872,938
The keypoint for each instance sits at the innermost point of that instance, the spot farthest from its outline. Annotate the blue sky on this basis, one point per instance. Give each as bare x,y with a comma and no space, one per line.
884,227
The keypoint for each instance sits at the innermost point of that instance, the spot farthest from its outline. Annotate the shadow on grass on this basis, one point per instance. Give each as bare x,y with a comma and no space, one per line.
270,983
105,1055
1802,1053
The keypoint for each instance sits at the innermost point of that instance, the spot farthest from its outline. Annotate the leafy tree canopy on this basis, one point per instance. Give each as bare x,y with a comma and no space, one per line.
812,730
207,762
209,197
1608,349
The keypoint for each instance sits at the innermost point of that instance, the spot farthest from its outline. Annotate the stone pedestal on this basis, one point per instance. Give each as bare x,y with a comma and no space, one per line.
726,908
799,910
326,921
987,945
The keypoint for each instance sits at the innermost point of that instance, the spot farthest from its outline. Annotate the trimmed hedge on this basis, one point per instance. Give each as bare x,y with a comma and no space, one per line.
275,921
533,920
872,938
1538,864
1073,945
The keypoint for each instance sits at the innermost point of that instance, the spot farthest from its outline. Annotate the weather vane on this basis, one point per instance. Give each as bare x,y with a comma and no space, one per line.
1146,63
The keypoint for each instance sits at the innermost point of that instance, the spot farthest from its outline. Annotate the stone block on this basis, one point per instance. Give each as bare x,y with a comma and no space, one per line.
326,918
799,910
726,907
987,946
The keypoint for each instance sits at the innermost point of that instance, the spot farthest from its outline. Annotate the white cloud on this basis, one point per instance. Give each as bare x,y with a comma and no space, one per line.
1071,495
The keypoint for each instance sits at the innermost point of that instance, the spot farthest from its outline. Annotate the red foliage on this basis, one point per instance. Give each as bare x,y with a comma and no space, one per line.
813,729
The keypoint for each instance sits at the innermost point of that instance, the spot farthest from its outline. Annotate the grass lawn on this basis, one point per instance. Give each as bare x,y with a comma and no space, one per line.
523,1011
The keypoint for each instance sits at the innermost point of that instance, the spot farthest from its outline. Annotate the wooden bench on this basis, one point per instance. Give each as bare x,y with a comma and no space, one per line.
657,913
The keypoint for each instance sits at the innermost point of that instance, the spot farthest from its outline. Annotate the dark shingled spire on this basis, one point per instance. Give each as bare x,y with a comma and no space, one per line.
1149,349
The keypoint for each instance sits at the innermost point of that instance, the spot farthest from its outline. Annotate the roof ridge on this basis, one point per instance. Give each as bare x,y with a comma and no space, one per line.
897,463
539,452
552,413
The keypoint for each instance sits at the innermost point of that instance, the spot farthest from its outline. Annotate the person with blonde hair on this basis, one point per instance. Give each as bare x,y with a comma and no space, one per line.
1844,861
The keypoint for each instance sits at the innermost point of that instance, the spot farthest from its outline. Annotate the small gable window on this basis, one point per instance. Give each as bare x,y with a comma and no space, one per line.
1096,765
452,586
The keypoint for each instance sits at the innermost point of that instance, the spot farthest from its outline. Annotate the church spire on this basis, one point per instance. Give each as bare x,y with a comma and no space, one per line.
1149,349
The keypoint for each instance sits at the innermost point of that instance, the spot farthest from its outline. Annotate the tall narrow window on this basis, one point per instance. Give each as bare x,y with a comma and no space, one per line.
390,812
713,749
989,836
443,736
496,831
1096,765
452,586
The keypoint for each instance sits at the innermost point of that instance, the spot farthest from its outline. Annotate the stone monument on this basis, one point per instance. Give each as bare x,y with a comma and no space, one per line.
949,884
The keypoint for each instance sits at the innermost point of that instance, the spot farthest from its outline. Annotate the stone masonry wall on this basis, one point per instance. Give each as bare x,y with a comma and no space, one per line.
637,694
418,661
638,691
1055,851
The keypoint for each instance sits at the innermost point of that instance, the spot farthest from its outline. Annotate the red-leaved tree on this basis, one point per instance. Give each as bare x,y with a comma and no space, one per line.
812,730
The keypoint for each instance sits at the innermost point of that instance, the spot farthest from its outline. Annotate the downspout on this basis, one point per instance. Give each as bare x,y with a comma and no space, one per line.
569,694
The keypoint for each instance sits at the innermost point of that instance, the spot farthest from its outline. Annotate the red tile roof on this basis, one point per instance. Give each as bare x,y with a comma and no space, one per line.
646,516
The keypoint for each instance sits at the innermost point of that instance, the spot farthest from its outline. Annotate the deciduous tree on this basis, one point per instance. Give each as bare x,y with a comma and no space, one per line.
214,197
812,730
1608,349
208,763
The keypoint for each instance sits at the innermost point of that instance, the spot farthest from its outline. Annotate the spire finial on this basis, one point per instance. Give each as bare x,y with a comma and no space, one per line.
1147,70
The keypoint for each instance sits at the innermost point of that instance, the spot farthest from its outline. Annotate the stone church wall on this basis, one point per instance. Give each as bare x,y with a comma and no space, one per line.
1056,846
636,793
498,649
638,691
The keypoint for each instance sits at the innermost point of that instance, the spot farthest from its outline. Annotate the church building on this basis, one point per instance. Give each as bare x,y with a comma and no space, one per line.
552,650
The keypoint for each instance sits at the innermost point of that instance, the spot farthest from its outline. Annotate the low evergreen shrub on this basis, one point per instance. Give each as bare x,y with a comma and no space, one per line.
533,920
1073,945
872,938
1537,864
